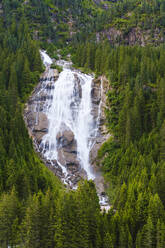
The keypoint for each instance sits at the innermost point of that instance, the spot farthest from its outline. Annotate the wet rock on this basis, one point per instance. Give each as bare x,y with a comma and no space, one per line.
44,130
67,150
42,121
42,97
68,159
50,86
65,138
31,119
54,167
100,87
99,182
95,93
37,123
77,87
93,153
31,101
83,174
76,180
94,111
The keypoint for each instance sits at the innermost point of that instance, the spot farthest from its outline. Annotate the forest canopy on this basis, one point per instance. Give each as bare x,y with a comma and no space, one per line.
36,210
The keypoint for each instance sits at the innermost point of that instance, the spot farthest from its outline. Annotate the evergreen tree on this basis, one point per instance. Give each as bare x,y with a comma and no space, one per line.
9,212
108,241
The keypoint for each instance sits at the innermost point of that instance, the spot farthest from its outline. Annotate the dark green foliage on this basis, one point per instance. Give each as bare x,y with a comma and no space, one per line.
133,158
35,210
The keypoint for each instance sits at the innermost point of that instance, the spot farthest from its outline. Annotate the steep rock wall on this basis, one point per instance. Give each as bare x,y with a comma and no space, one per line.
38,124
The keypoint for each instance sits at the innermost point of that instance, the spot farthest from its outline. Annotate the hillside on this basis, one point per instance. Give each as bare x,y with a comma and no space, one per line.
123,41
121,22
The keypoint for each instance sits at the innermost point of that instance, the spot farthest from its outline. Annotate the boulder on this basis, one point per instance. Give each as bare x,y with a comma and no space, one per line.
31,119
65,138
67,159
42,122
40,128
67,152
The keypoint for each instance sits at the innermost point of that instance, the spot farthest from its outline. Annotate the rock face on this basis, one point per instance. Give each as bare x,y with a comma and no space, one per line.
136,36
77,87
34,116
65,138
67,156
37,122
66,145
100,87
67,153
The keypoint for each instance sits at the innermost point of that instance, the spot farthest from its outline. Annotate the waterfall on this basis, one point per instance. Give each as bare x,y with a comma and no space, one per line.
69,110
63,117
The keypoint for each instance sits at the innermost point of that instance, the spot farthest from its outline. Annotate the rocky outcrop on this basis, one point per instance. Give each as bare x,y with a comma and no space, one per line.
67,150
67,166
100,87
67,156
136,36
65,138
41,126
77,87
34,116
37,123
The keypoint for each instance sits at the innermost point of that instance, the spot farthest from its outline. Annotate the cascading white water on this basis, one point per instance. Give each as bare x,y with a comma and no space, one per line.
63,116
84,125
46,59
70,110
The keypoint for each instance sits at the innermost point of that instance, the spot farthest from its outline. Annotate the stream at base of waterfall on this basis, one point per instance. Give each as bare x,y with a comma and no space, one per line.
63,117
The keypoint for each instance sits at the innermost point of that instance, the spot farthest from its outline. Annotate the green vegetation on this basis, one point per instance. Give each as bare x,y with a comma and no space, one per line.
133,158
57,23
138,21
35,208
59,68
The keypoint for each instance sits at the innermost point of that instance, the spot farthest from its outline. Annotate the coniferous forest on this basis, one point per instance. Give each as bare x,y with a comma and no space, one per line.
36,210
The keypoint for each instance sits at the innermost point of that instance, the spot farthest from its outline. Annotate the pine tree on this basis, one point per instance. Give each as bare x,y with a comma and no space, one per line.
162,142
108,241
26,78
147,235
89,203
9,209
128,135
37,63
88,56
32,224
160,235
161,101
155,209
98,57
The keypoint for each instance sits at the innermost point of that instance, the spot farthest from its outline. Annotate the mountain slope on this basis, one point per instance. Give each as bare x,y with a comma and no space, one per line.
121,22
35,209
